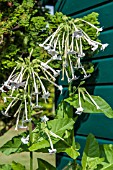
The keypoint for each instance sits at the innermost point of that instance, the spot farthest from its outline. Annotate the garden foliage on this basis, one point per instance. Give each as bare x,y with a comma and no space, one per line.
37,47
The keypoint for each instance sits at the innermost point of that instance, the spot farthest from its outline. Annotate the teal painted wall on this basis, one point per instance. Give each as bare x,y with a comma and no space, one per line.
102,85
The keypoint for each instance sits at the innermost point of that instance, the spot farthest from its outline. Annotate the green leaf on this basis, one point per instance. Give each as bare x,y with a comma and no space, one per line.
5,167
43,165
59,126
72,166
108,149
107,166
91,151
17,166
39,145
11,146
64,110
72,152
89,106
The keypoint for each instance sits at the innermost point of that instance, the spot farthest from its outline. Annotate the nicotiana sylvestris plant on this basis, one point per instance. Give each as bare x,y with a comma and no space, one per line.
27,84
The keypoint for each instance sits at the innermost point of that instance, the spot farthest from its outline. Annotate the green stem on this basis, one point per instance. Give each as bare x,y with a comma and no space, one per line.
30,126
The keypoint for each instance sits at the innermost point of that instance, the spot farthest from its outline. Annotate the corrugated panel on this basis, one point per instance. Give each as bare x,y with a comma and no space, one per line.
74,6
105,12
62,161
103,71
106,37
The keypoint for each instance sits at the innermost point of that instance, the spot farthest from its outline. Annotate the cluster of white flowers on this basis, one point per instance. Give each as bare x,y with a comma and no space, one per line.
20,79
66,44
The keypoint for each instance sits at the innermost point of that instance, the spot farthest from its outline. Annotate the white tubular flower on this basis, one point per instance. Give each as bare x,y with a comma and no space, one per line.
2,89
94,48
47,47
99,29
22,127
48,67
25,140
104,46
52,52
5,99
93,101
5,114
46,95
60,87
37,107
71,52
56,136
78,34
79,110
57,73
55,57
6,84
85,74
80,55
51,151
44,119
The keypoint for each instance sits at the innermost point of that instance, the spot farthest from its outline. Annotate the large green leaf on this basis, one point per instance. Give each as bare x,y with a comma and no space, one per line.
39,145
59,126
11,146
43,165
108,149
89,106
64,110
91,151
72,152
17,166
107,166
5,167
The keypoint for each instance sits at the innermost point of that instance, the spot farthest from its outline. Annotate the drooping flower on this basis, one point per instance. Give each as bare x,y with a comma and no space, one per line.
104,46
46,95
44,119
25,140
79,110
51,151
78,34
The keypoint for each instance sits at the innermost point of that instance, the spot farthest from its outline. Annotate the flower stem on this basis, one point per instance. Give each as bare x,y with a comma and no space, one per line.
30,126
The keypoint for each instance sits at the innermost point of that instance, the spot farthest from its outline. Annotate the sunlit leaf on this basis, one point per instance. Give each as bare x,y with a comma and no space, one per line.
17,166
91,152
11,146
43,165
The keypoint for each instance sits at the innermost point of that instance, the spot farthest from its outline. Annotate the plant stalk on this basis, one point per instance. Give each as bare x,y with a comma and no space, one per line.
30,125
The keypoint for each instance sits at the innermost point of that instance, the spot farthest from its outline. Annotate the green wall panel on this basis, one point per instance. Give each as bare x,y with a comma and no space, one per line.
62,161
60,96
106,37
103,71
104,11
73,6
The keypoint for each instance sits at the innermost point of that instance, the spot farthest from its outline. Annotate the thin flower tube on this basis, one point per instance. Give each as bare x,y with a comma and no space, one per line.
79,109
